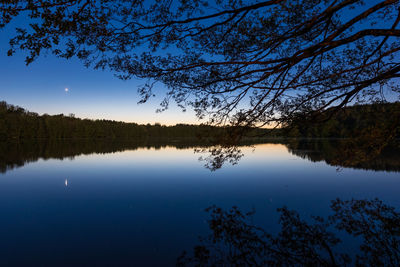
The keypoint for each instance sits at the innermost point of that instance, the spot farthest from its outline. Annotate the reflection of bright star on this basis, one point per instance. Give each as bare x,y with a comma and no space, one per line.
66,89
66,182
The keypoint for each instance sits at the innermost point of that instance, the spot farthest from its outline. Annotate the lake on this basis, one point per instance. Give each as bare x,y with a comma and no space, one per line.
110,204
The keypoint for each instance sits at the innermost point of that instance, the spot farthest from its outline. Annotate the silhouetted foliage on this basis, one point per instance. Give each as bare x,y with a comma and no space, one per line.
377,122
18,123
235,240
371,133
369,147
348,153
246,63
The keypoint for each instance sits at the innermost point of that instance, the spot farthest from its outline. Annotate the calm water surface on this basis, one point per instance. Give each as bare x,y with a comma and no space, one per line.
144,206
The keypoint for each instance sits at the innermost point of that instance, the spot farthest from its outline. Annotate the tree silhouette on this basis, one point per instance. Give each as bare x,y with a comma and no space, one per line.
236,241
247,63
348,153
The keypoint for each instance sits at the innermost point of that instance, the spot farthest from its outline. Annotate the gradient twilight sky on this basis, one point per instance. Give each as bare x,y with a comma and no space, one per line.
95,94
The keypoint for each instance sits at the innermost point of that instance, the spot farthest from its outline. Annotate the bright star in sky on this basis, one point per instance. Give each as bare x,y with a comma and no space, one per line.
66,90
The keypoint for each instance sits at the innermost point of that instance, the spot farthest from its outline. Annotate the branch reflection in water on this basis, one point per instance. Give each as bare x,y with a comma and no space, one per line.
340,153
236,241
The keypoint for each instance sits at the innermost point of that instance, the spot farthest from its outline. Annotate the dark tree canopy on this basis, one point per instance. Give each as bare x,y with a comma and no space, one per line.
241,62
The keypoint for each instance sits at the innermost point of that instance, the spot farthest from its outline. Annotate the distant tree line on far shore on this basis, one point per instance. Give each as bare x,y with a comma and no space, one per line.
373,121
380,120
18,123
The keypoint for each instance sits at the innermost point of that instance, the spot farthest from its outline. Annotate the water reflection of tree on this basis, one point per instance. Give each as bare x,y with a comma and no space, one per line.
15,154
235,241
359,153
355,153
361,136
333,152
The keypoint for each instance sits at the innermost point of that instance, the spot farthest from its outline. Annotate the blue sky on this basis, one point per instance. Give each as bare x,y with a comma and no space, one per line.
40,87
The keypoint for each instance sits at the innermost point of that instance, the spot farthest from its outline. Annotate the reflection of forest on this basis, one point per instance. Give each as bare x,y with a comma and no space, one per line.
339,153
348,153
16,154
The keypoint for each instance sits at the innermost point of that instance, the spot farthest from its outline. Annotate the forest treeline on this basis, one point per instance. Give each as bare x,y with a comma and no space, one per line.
374,132
371,121
18,123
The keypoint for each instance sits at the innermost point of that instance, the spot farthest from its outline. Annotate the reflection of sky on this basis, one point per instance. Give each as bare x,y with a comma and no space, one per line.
146,206
261,171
